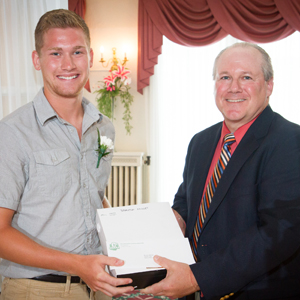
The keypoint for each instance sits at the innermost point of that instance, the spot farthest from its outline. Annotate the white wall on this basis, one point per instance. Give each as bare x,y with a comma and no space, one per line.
114,23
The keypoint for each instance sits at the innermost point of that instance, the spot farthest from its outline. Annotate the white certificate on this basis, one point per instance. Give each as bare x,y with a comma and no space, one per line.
138,232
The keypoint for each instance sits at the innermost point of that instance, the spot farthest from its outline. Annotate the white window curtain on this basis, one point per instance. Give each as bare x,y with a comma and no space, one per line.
19,81
181,103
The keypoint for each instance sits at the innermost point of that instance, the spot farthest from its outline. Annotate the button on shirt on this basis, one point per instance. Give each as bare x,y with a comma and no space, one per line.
49,177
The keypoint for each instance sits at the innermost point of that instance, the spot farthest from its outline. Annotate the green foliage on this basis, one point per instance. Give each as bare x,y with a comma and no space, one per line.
127,99
106,99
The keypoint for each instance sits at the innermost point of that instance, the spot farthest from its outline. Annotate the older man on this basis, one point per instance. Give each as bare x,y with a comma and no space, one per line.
240,195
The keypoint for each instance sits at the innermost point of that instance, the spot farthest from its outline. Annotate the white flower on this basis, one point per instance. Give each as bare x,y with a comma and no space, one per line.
127,81
104,145
105,141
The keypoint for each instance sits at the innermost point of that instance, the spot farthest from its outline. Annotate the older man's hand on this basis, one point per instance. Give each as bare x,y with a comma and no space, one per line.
180,280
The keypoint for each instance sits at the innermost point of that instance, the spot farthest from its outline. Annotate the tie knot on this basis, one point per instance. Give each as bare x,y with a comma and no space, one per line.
229,139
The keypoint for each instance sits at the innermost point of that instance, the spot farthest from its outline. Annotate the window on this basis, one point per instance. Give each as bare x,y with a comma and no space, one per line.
182,102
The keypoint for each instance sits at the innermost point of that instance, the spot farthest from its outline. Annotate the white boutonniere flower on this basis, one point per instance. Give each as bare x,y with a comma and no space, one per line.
105,144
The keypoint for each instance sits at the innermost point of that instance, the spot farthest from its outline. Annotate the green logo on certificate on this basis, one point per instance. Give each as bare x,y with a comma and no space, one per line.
114,246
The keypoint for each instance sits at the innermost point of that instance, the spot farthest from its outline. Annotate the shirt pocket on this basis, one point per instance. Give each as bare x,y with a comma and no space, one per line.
53,171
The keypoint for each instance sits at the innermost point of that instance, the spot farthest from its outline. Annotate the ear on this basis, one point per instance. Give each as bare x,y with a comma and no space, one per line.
36,60
91,57
270,85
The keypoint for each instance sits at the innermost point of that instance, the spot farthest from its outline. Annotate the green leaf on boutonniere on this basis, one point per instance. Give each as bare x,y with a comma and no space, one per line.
107,144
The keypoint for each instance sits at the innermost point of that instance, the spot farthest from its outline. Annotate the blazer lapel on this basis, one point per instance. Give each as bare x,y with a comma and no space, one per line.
235,164
250,142
206,147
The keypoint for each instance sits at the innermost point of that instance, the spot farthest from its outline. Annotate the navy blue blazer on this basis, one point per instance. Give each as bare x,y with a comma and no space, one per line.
250,241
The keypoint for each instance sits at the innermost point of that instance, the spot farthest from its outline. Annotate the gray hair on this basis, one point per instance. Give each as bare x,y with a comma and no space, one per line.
267,68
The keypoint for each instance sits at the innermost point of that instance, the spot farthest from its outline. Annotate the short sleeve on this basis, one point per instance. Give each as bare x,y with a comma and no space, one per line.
13,168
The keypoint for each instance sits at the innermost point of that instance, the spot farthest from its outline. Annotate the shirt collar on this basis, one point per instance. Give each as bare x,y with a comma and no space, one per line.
44,110
91,110
239,133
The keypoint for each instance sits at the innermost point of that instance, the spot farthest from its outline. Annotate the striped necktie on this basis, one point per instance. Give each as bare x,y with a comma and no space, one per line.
210,190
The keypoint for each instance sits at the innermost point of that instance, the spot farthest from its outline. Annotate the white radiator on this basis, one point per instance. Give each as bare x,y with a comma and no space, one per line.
125,181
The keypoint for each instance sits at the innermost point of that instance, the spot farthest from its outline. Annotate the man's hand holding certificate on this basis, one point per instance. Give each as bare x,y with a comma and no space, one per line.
136,234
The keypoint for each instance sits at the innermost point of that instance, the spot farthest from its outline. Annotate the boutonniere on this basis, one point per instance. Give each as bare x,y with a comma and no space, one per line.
104,144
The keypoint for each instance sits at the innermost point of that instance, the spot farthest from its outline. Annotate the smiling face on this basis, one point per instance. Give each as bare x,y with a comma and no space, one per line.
65,60
241,92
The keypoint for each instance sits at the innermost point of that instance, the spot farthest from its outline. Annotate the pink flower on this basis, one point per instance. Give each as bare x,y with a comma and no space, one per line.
122,73
110,80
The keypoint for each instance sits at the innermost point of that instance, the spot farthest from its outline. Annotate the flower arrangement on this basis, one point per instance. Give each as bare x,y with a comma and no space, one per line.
104,145
116,85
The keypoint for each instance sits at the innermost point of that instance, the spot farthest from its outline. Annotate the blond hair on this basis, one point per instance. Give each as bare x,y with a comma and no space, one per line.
59,18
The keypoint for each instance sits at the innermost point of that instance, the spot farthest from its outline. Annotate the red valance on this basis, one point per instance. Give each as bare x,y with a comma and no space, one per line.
78,6
202,22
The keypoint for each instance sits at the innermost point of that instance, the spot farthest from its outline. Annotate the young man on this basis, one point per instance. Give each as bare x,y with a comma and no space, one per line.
242,217
50,187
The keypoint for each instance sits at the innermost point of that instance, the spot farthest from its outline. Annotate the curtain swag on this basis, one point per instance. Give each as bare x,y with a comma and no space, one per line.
78,6
203,22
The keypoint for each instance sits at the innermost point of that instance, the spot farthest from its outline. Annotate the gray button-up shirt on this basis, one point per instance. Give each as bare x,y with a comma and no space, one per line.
49,177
